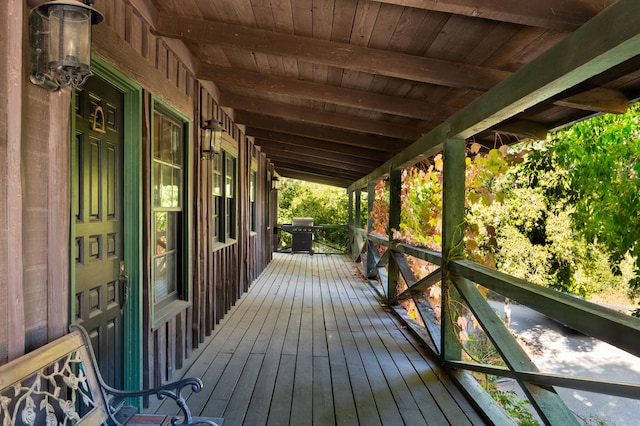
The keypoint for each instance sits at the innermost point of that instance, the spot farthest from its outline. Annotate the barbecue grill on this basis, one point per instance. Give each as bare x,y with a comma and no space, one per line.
301,230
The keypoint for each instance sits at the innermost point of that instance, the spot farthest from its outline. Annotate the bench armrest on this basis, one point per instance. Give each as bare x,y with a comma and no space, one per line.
171,390
115,397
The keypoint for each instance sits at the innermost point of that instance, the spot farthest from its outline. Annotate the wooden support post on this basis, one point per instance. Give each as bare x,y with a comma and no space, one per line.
395,186
358,208
452,233
13,19
351,226
59,201
350,209
371,262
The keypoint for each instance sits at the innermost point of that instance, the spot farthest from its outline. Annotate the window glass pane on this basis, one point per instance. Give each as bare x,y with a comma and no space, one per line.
217,175
177,185
170,190
172,230
160,274
252,187
157,126
161,233
229,176
176,145
157,182
229,187
166,146
227,218
172,273
167,191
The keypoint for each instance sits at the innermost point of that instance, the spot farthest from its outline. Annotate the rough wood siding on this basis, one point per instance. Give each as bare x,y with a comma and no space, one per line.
39,194
4,201
34,226
219,277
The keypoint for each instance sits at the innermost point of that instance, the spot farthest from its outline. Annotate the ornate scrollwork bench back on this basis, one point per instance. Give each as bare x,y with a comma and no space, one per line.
60,383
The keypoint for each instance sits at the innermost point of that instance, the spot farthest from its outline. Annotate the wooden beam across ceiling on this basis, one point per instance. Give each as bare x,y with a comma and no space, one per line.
264,136
599,99
371,142
341,55
309,115
286,161
605,41
329,164
322,178
351,162
566,15
225,76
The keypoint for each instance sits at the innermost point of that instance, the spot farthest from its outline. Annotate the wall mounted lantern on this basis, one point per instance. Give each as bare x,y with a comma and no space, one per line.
211,139
60,42
275,182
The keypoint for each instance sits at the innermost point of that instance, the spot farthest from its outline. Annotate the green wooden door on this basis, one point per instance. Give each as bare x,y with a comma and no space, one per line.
97,179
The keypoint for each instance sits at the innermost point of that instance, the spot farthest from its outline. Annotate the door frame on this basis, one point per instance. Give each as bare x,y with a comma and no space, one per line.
132,198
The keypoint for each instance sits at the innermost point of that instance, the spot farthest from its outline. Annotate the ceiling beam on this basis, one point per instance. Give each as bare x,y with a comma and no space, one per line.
607,40
254,122
566,15
325,93
309,115
341,55
312,167
600,99
262,136
523,129
293,173
335,157
305,162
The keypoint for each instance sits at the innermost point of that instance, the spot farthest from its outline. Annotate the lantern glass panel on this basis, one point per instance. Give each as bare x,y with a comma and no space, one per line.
70,37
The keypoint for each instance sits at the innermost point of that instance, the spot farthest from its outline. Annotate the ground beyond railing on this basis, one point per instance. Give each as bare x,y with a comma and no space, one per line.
449,298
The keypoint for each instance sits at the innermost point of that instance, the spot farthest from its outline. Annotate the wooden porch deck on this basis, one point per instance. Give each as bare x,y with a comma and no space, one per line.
310,344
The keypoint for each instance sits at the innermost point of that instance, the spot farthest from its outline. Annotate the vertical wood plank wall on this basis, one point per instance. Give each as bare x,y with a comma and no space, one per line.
5,30
218,277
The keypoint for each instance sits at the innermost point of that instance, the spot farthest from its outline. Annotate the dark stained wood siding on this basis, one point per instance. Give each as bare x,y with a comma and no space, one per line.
5,29
219,277
34,250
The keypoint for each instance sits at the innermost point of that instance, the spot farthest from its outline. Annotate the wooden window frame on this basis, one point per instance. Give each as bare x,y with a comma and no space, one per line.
179,299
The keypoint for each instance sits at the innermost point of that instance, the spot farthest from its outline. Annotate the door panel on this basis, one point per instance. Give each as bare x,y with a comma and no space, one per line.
98,219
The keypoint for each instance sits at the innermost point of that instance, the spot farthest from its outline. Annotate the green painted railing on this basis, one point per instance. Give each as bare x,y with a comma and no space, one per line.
379,258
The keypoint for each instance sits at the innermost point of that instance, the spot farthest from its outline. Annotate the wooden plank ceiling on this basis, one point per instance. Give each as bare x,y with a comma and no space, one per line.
331,89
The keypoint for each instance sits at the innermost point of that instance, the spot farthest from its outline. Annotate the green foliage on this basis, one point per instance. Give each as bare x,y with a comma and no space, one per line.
421,199
562,213
515,407
533,231
325,204
380,212
602,157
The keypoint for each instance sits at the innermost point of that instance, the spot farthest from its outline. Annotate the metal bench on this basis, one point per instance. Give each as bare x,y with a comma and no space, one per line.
60,383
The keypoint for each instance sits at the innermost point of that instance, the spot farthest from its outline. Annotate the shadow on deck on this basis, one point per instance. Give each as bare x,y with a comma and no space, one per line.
311,344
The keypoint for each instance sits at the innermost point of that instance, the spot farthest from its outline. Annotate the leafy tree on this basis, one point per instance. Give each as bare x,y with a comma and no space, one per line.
529,232
325,204
602,159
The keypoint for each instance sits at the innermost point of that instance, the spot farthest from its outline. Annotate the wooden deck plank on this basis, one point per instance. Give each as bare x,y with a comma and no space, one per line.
310,344
241,397
387,407
322,403
362,393
212,362
280,409
258,410
406,352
